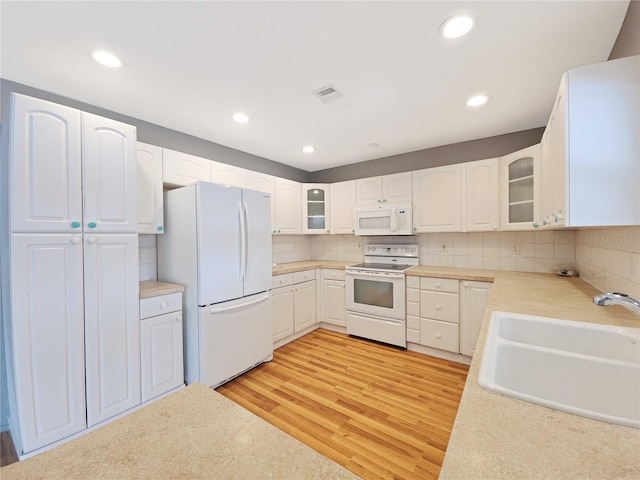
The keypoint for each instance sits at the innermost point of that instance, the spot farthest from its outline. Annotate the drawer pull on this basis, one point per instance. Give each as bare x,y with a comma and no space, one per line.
164,305
438,285
438,336
438,307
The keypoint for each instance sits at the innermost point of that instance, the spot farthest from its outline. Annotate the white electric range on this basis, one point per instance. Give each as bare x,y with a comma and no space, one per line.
375,293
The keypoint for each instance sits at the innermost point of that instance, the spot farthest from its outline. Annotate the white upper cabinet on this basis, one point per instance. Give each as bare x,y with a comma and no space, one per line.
591,152
264,183
109,175
520,189
385,189
46,166
181,169
343,203
71,170
437,199
482,195
149,188
288,206
315,208
228,174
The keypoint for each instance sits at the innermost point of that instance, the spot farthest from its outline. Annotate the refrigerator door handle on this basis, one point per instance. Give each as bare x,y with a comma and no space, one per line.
247,245
238,306
243,241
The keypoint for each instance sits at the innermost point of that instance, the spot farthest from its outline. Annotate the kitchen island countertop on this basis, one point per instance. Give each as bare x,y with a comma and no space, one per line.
195,433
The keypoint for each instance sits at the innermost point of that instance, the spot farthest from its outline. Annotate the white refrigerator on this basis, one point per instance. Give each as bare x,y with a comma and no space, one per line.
217,243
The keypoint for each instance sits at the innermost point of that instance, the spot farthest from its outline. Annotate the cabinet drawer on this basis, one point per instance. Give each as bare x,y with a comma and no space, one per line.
304,276
440,335
440,284
440,306
413,282
332,274
281,280
153,306
413,295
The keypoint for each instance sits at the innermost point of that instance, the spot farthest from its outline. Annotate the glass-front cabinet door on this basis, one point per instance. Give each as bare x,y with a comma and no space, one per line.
519,189
315,201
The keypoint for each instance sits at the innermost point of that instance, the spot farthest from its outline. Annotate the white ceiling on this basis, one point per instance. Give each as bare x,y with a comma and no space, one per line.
190,65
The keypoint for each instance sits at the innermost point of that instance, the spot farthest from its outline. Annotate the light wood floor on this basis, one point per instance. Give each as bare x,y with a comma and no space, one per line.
378,411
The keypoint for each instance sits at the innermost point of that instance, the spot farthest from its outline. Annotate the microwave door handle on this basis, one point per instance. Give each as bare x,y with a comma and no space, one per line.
394,221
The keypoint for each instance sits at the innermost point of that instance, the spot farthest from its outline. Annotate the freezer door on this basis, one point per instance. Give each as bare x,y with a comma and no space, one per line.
220,245
234,337
257,262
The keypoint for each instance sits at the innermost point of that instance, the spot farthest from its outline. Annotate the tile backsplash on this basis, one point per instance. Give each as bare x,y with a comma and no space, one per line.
607,258
148,257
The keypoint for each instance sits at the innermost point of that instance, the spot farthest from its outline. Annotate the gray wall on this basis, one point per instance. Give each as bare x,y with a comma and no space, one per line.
433,157
165,137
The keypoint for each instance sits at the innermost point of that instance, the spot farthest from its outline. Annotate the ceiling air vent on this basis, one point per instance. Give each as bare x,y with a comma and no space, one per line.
327,94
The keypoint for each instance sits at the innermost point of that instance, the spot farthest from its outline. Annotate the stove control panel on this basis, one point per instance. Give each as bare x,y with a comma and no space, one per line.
386,250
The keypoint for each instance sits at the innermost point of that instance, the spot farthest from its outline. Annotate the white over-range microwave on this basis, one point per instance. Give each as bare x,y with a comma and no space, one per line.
384,219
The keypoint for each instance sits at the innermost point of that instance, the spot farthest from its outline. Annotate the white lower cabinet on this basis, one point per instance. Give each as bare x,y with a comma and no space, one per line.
293,298
75,351
473,304
446,314
333,297
112,334
161,355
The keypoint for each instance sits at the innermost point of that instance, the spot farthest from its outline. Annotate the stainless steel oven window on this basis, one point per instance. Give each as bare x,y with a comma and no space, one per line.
373,292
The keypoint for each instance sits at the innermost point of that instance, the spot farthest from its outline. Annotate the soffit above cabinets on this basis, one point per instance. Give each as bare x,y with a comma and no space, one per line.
189,66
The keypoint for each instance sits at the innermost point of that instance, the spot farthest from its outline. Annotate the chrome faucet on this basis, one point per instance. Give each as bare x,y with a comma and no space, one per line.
607,299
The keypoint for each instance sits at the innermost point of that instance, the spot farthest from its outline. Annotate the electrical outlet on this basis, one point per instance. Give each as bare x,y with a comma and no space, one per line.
444,247
515,248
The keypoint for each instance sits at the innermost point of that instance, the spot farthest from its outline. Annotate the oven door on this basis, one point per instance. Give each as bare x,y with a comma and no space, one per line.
376,294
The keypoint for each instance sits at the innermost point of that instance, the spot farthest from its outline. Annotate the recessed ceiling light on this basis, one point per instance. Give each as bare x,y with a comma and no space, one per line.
309,149
105,58
456,26
241,117
477,100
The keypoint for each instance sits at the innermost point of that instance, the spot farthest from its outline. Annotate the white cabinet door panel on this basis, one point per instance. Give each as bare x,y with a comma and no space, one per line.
304,305
264,183
437,199
482,195
228,174
111,325
333,297
288,206
149,188
343,203
161,354
396,188
48,337
183,169
282,303
369,190
473,304
46,174
109,175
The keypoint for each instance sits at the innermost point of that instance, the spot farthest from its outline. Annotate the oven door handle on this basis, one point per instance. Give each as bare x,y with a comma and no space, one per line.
389,276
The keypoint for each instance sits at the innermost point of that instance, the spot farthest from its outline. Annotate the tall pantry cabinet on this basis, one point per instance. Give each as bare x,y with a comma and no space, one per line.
69,257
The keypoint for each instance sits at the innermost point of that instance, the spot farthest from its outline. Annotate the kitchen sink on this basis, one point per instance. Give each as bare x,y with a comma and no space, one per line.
586,369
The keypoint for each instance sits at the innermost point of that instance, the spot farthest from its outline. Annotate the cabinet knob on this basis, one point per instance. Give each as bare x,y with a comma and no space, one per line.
91,224
92,239
415,229
438,336
384,200
494,227
438,307
164,305
379,201
75,240
438,285
535,224
75,224
160,228
328,231
353,230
